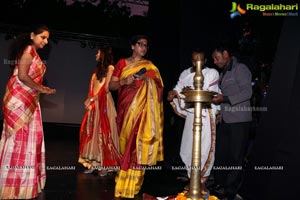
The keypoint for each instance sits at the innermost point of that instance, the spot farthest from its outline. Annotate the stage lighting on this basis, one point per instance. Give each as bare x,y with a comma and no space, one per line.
82,44
92,45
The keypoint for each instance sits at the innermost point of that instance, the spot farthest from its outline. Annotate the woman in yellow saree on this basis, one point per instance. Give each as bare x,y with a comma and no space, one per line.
139,117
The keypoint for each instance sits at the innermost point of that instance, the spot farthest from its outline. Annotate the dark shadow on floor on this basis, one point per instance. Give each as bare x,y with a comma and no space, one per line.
66,180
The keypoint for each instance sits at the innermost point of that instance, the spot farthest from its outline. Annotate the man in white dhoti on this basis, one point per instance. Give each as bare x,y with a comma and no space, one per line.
211,77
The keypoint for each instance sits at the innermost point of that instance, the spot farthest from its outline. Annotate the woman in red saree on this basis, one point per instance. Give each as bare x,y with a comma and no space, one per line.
22,151
139,119
99,140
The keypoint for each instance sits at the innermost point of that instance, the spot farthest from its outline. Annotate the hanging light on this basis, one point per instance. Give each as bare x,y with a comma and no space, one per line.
83,44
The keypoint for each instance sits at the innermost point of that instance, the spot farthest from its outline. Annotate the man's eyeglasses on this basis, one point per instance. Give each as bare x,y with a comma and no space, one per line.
142,44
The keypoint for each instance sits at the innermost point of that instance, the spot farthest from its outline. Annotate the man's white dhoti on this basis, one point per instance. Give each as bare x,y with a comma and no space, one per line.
211,77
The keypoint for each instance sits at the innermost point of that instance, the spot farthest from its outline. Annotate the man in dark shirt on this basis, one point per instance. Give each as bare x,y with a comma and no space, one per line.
235,120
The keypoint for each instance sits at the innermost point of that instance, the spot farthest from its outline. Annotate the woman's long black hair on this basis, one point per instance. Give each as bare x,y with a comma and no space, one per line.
106,59
23,40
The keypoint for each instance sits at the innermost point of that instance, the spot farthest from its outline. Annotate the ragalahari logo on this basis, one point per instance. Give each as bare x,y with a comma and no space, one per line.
236,10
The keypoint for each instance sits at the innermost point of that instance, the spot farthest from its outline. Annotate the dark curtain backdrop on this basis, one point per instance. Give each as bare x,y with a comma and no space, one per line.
176,27
278,134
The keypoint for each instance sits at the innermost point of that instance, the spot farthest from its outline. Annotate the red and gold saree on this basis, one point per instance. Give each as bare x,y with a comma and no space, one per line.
140,123
99,140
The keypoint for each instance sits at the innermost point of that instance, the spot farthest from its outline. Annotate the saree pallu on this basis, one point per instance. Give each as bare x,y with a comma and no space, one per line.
22,150
99,141
141,114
